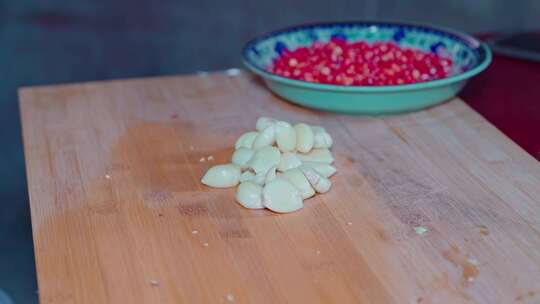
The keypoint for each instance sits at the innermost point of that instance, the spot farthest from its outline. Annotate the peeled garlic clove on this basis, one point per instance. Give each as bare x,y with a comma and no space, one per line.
264,159
281,196
246,140
246,176
270,175
289,161
222,176
249,195
321,139
318,155
241,156
320,183
285,136
263,123
266,137
299,180
304,137
323,169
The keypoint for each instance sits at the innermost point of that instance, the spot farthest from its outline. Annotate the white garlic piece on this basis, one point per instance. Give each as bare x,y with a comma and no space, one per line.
241,157
264,159
222,176
318,155
270,175
289,161
281,196
299,180
246,140
282,165
246,176
263,123
285,136
323,169
304,137
321,139
266,137
320,183
249,195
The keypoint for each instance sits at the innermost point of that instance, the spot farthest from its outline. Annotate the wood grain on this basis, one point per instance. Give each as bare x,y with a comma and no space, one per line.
119,215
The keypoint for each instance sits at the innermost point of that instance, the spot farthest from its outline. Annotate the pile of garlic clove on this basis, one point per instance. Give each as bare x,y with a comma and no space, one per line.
278,166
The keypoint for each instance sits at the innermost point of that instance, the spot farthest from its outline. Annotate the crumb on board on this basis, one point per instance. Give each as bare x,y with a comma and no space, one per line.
420,230
202,160
195,231
318,252
233,72
484,230
154,282
229,297
205,244
211,157
107,176
349,223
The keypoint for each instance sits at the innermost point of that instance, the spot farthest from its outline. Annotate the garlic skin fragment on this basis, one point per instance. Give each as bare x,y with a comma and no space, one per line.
264,122
318,155
323,169
299,180
281,196
222,176
285,136
304,137
246,176
289,161
260,178
270,175
320,183
266,137
246,140
241,157
249,195
264,159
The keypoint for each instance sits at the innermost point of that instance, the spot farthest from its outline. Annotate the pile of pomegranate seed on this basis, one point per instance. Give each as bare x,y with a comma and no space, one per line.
359,63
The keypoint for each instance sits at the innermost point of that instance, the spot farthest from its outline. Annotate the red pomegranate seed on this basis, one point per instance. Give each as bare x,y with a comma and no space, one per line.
359,63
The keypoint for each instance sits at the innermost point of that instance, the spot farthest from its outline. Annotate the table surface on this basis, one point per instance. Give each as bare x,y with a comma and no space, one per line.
119,215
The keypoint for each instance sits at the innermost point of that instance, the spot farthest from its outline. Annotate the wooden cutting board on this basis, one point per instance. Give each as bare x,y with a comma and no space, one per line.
430,207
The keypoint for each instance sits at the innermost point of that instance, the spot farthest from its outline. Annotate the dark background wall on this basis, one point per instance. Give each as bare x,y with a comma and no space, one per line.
55,41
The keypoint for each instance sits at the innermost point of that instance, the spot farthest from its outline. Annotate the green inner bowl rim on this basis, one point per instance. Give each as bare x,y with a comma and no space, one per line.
388,88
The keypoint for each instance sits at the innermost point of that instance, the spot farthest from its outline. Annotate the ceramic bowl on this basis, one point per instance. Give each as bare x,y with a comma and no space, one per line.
469,56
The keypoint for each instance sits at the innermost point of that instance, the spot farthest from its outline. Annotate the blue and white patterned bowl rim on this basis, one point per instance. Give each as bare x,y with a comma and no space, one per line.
479,50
